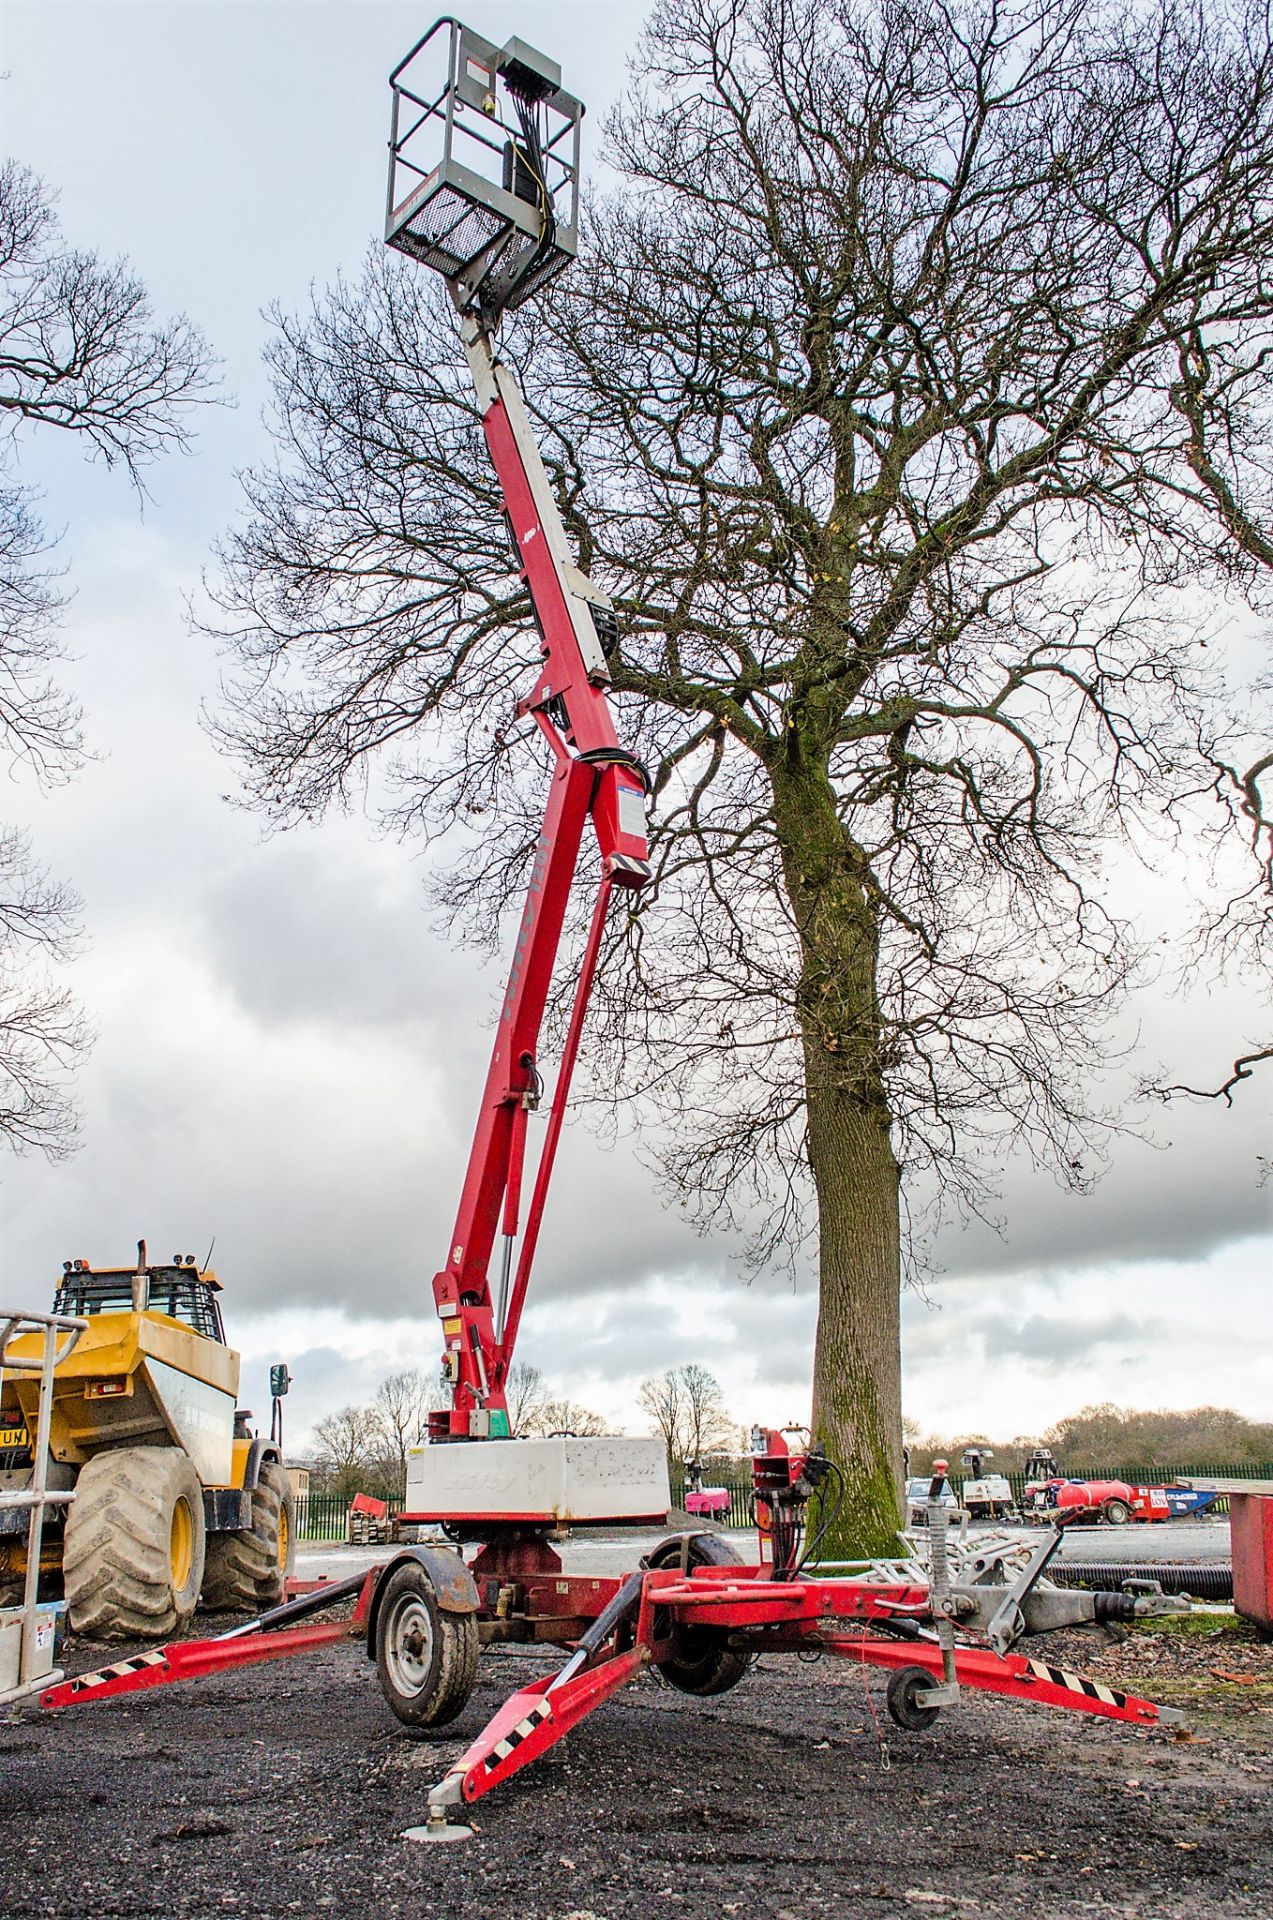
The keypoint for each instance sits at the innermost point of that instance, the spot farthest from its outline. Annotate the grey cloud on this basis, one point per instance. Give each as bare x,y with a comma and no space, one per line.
323,1381
1177,1202
1059,1339
763,1327
303,931
987,1336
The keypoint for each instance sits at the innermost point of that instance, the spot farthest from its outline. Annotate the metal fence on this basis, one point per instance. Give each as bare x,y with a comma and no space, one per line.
324,1516
321,1516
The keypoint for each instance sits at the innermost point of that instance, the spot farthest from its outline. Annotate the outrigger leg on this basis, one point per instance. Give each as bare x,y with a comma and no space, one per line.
1015,1675
272,1636
536,1717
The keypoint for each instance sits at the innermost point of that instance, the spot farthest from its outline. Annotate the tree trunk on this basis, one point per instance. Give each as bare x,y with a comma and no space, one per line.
857,1364
857,1388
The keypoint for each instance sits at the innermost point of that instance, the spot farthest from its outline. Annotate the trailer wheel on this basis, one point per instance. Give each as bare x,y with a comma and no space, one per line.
703,1663
132,1559
426,1659
902,1700
244,1572
1117,1512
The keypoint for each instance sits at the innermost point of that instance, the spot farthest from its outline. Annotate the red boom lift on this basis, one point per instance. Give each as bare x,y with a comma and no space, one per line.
483,186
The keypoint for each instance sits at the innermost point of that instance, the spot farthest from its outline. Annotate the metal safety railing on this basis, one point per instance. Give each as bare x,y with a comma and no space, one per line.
56,1334
484,153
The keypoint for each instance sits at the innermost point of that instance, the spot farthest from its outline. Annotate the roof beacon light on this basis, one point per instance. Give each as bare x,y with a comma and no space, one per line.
483,167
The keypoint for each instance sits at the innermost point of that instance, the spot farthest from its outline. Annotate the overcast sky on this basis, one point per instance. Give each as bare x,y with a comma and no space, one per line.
289,1053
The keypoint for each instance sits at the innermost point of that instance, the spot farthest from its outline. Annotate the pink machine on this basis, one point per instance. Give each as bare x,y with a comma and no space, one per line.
711,1503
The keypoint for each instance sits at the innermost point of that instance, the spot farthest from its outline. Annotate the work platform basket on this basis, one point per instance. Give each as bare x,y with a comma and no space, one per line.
483,165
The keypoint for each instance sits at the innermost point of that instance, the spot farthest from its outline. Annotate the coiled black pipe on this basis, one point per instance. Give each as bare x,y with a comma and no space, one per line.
1204,1580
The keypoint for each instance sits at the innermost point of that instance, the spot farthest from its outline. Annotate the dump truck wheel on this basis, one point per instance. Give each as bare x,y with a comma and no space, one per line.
703,1663
426,1659
902,1699
132,1561
245,1571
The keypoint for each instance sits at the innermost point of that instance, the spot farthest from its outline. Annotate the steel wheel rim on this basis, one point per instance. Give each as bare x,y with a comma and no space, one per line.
284,1539
409,1644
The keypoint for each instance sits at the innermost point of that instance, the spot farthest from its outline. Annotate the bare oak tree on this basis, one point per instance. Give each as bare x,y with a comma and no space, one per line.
527,1393
562,1415
79,353
661,1399
865,403
708,1426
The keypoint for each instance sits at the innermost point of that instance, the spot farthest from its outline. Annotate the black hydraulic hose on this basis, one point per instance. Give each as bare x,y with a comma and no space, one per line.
306,1603
607,1620
1204,1580
593,1638
826,1520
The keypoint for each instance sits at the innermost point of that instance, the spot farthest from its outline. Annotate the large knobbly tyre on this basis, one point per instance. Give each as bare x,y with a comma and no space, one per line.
132,1560
426,1659
244,1572
703,1663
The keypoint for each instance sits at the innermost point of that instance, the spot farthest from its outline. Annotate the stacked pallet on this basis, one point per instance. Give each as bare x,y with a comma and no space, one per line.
369,1522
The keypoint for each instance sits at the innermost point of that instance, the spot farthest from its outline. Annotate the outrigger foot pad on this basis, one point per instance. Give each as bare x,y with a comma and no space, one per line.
439,1829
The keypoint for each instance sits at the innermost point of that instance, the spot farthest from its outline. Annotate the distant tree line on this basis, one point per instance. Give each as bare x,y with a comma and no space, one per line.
535,1410
363,1449
1110,1436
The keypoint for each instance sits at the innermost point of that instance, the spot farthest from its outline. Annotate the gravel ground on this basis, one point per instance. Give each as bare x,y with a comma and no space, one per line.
281,1791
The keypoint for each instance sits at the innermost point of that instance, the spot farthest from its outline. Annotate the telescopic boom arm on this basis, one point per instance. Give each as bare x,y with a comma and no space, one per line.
596,779
483,189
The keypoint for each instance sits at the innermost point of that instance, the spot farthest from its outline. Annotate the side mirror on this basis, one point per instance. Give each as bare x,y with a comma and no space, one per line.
280,1380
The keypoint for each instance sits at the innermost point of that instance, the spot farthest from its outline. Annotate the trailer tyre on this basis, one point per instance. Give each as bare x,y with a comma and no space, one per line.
704,1663
245,1572
426,1659
902,1699
133,1555
1117,1512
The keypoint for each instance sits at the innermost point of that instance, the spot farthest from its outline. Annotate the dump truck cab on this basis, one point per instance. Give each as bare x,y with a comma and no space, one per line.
152,1368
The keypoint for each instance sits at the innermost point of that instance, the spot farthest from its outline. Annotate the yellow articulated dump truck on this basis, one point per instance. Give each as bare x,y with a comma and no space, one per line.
176,1504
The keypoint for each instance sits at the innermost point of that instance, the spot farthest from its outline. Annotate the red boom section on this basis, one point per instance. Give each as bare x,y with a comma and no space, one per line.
595,779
